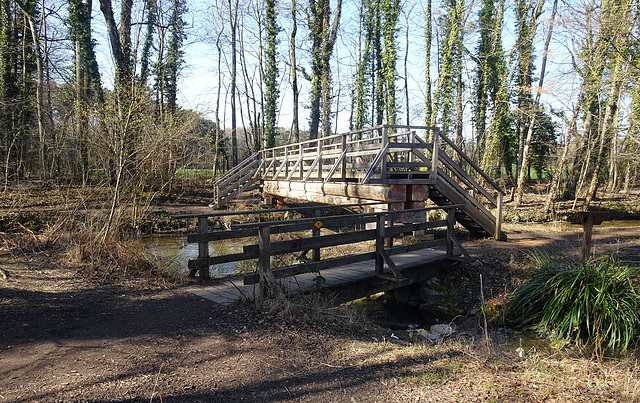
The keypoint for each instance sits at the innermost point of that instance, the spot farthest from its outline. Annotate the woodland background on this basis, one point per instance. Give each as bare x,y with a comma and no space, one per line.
533,90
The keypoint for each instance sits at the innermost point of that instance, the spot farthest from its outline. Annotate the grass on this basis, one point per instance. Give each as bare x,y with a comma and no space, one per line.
194,173
593,304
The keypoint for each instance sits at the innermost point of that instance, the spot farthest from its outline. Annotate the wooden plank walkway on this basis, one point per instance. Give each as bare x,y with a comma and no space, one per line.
232,289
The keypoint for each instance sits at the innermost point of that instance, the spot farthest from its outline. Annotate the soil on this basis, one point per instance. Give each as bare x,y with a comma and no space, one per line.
64,338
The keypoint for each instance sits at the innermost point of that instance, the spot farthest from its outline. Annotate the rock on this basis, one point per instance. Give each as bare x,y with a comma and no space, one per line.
476,264
443,329
428,294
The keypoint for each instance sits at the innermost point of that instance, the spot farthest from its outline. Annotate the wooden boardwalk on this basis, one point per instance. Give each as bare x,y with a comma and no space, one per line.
347,282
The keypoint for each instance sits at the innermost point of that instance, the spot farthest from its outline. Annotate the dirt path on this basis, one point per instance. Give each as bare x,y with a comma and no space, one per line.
65,340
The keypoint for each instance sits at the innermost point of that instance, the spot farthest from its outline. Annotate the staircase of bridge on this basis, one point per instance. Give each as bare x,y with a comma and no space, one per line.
388,163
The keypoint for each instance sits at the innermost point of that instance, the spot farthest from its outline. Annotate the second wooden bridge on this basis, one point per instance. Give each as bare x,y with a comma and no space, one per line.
362,257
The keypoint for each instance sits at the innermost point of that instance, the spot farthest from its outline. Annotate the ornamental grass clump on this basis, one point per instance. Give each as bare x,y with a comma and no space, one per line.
596,303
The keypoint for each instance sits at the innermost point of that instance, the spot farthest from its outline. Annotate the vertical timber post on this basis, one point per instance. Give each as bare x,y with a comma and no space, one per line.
267,284
499,216
381,219
383,164
319,159
587,226
436,149
203,249
390,240
316,233
344,160
300,155
286,162
451,222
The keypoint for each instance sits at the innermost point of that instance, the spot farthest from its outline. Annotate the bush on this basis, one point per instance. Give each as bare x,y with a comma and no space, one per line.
595,302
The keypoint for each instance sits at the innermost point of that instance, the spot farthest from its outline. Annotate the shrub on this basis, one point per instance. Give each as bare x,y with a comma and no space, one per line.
594,302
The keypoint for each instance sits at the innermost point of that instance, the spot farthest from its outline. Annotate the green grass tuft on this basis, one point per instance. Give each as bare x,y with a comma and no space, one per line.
596,303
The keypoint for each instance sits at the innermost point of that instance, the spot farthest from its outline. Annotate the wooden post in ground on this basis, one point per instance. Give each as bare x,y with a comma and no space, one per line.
203,249
499,216
267,286
451,222
380,222
316,233
587,226
588,219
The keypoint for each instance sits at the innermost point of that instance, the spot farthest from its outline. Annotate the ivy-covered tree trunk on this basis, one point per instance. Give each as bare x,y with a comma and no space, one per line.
271,75
323,35
490,66
391,12
450,66
294,72
526,152
527,14
428,37
174,53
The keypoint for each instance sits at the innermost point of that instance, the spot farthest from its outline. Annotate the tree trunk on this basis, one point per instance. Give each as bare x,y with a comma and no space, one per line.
526,154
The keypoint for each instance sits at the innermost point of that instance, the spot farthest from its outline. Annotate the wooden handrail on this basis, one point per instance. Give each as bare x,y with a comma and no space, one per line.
473,164
265,247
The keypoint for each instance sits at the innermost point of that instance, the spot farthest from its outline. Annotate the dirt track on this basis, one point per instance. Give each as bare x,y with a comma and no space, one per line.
63,339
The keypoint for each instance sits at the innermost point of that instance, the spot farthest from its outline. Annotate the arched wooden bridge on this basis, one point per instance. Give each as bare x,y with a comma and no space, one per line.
384,163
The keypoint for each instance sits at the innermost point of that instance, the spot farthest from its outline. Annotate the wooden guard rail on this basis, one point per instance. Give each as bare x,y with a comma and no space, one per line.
383,233
383,154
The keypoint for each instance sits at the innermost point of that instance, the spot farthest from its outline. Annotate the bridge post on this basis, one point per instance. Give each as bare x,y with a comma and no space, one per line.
203,249
286,162
499,216
344,160
316,233
319,159
300,153
267,283
380,222
436,149
383,164
451,222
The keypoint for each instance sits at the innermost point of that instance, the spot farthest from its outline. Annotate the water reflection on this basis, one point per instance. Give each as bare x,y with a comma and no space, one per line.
567,226
174,253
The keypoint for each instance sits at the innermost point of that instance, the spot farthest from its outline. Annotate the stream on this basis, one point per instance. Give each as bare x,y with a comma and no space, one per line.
174,253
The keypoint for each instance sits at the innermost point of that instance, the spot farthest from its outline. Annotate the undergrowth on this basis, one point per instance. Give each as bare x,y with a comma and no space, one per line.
594,304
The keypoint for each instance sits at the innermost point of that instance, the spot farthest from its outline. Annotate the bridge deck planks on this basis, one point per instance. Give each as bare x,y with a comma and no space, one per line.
232,289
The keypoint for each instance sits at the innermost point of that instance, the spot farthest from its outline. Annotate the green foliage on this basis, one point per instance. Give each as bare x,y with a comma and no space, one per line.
271,75
595,302
175,53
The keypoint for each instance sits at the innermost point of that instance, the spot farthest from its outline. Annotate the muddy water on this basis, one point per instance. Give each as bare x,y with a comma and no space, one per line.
567,226
173,252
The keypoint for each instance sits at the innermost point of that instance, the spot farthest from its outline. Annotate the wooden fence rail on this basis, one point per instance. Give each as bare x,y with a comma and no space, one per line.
380,227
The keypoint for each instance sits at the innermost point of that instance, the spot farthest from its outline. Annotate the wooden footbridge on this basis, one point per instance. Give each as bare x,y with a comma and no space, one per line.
384,163
351,254
391,172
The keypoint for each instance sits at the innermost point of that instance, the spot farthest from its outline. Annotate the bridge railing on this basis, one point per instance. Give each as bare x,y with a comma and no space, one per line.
313,234
380,154
345,157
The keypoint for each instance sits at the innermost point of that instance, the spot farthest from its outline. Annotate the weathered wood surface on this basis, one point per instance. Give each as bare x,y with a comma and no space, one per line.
346,280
